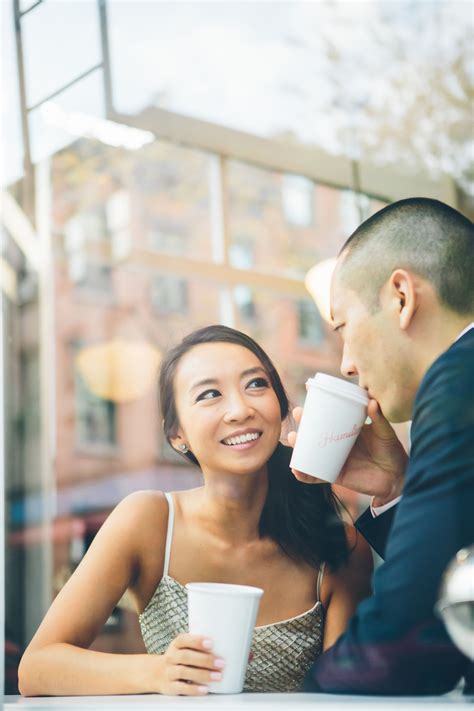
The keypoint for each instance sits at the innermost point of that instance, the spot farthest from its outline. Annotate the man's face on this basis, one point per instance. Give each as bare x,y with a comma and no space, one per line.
374,350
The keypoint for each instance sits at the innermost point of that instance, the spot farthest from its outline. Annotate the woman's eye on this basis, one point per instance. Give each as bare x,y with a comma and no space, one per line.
208,395
258,383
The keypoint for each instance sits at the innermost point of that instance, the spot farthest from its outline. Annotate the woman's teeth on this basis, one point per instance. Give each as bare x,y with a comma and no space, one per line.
242,438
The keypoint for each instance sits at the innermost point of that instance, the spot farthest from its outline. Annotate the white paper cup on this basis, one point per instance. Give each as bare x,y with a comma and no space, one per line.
333,415
226,614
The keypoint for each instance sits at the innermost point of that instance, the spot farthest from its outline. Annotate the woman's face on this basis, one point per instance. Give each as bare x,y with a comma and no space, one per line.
229,414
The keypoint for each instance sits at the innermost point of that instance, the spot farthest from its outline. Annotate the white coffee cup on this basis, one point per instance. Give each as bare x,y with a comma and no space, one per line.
333,415
226,614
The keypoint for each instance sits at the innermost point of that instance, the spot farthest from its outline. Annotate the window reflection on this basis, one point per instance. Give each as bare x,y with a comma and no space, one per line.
135,269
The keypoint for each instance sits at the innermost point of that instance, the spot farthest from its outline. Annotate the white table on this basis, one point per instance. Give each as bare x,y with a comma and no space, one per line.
239,702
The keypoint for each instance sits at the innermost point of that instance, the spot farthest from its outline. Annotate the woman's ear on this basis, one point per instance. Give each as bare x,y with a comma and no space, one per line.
404,296
178,442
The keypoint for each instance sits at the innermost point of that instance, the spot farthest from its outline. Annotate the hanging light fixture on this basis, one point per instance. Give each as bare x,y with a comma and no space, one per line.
120,371
318,283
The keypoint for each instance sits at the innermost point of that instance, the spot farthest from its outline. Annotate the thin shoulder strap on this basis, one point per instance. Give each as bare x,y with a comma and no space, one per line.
169,533
319,581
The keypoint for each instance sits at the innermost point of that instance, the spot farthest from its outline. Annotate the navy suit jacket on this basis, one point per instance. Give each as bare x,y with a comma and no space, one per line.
395,644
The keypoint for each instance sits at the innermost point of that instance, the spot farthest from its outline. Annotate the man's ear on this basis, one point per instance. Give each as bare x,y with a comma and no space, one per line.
404,296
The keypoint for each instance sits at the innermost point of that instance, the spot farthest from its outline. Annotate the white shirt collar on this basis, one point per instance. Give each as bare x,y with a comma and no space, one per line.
468,328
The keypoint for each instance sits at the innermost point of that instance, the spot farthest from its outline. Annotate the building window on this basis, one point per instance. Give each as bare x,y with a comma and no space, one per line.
169,295
117,212
310,327
90,276
354,208
297,196
242,254
96,419
169,238
88,225
244,301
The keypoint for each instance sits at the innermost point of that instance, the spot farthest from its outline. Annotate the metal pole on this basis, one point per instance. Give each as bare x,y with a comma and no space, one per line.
2,498
28,193
104,41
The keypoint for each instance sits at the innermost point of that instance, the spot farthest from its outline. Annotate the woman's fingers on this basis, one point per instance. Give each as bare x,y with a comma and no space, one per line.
195,675
192,641
181,688
191,658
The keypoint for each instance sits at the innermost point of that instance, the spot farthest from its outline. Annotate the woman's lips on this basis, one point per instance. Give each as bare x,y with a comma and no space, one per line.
241,446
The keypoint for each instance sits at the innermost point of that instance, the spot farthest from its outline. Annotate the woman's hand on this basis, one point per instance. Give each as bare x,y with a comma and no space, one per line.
187,666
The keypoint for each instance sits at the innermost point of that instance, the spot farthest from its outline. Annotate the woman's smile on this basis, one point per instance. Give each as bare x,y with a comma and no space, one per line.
243,439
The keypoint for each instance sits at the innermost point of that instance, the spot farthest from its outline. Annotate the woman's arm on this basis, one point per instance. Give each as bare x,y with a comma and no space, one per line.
58,661
346,588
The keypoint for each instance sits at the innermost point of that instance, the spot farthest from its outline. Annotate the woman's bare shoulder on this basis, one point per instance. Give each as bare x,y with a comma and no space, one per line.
139,517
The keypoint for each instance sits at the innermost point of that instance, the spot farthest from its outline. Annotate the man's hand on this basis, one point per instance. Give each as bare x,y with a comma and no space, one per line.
376,464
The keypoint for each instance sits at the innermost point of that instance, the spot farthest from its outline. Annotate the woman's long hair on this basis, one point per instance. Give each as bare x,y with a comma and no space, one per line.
304,519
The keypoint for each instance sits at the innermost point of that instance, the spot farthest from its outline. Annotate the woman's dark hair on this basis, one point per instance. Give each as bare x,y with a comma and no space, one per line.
304,519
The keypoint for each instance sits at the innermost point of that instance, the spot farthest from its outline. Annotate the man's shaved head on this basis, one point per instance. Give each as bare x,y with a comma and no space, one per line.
418,234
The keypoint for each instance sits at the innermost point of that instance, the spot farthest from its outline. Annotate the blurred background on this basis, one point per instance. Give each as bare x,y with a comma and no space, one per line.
167,165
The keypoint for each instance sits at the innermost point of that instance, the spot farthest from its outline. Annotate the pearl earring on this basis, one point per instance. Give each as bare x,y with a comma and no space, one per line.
183,449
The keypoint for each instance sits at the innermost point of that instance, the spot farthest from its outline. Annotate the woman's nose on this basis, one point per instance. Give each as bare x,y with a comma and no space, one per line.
238,409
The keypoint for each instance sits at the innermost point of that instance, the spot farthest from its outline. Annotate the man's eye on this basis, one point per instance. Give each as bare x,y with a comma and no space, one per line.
208,395
258,383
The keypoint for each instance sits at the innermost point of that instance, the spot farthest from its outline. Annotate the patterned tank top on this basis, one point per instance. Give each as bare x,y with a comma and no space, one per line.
282,652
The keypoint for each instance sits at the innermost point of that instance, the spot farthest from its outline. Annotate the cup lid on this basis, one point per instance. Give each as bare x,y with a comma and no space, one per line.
339,387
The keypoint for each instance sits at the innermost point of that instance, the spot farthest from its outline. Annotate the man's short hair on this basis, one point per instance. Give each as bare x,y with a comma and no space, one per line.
423,235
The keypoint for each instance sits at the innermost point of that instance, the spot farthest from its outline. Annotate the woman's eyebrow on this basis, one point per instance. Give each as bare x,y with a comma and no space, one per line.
200,383
253,371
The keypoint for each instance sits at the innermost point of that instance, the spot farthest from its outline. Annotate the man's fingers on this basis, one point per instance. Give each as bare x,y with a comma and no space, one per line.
381,425
291,438
306,478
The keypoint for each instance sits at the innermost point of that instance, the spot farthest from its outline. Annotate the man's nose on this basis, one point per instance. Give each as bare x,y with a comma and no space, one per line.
348,368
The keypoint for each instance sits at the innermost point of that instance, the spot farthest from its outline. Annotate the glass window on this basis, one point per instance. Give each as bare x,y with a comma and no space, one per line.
59,122
54,44
11,139
25,5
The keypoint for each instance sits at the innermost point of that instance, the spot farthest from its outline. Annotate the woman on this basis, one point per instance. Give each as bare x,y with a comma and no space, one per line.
251,523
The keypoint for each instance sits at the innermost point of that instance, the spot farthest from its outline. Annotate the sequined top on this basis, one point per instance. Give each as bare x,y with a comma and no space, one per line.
282,652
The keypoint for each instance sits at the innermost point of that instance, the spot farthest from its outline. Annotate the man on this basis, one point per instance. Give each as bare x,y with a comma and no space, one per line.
402,298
